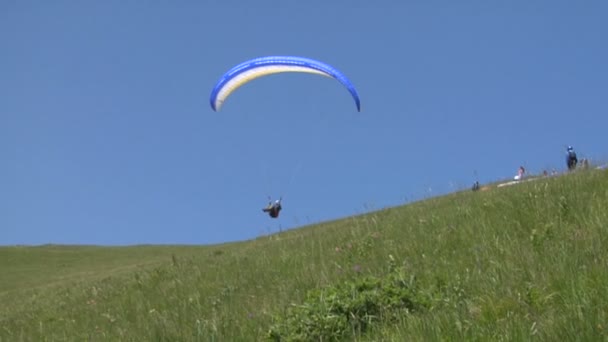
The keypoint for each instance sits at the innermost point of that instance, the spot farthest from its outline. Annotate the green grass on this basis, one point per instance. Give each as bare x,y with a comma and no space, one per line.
525,262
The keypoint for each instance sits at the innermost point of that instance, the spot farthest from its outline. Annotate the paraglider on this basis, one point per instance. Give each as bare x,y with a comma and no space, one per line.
273,209
262,66
268,65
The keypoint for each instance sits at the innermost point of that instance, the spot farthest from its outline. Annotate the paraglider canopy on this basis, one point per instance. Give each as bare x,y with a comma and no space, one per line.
262,66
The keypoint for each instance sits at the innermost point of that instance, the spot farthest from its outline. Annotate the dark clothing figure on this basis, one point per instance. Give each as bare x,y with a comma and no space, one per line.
475,186
571,159
273,209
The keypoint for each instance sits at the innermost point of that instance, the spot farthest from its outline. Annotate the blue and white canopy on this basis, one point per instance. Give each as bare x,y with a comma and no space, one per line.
258,67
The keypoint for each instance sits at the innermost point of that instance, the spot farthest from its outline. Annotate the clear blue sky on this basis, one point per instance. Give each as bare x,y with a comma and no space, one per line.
107,136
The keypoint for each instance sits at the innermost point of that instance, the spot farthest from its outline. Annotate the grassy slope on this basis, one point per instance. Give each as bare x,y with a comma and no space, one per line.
513,263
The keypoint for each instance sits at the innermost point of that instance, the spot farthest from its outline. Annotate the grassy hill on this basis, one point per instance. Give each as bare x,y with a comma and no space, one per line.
522,262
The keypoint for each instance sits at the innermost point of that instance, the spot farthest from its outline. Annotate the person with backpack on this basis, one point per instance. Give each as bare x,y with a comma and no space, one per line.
571,159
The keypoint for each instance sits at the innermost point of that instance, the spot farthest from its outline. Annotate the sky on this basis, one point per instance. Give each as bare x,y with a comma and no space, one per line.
107,136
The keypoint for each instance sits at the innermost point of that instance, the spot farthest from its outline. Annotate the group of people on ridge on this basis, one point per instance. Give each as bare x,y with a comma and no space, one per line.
571,162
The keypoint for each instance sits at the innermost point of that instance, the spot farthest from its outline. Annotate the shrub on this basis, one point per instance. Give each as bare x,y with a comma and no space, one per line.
349,308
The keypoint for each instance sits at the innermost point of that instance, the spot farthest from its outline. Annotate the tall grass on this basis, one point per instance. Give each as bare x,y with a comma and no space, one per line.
516,263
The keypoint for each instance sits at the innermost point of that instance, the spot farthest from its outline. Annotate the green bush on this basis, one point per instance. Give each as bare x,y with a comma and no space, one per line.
350,308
